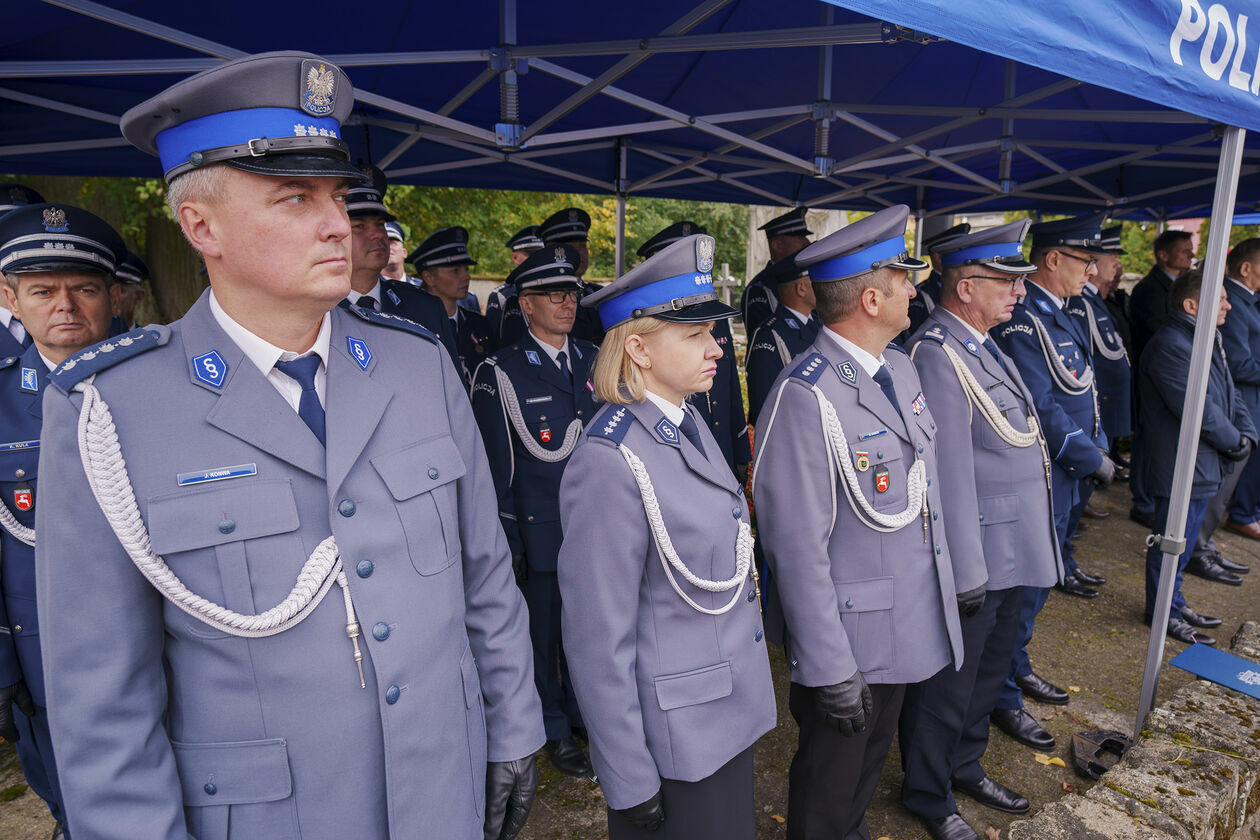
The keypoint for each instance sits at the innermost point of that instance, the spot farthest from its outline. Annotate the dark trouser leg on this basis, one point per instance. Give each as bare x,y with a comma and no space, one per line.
1155,557
1245,506
1205,545
35,752
933,717
990,683
719,807
542,595
834,776
1142,499
1074,521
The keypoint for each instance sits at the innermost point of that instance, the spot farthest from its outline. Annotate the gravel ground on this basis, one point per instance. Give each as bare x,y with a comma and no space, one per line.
1095,648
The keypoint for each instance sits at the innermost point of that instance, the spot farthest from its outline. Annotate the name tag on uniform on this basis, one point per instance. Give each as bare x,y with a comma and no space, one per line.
216,474
869,435
532,400
19,445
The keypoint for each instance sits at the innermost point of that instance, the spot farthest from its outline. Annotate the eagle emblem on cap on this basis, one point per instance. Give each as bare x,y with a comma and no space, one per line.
686,228
704,255
573,215
55,220
319,85
559,254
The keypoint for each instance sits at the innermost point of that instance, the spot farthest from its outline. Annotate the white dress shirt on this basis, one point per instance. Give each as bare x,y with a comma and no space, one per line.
673,413
869,363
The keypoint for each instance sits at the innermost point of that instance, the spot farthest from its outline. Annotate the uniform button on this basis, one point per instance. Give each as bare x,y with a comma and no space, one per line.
929,481
433,472
380,631
20,473
17,628
920,449
365,568
758,636
736,512
879,454
936,516
210,789
938,549
391,694
346,507
848,604
529,519
227,526
982,517
752,595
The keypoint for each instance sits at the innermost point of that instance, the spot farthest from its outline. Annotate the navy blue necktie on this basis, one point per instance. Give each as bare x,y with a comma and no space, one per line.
992,348
884,379
368,302
302,371
692,433
564,366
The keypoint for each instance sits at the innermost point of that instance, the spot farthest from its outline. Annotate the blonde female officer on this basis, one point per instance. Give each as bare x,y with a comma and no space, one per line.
661,619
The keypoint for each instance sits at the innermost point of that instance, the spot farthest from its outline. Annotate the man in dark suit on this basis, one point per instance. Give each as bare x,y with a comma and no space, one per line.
1148,309
1226,437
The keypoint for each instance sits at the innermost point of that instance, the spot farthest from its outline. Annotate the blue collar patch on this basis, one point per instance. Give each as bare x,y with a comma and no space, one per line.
216,474
210,368
1045,307
29,381
666,431
848,372
532,357
359,351
791,322
393,296
970,344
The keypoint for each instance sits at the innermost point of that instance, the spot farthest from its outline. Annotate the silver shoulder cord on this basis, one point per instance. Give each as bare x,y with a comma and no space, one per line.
669,558
513,408
106,472
1094,333
781,346
10,523
1064,379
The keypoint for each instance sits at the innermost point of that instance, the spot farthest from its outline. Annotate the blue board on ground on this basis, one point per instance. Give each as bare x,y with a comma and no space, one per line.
1221,668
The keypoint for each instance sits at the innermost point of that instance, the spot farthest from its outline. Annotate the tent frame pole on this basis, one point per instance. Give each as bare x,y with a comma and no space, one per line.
1173,541
620,251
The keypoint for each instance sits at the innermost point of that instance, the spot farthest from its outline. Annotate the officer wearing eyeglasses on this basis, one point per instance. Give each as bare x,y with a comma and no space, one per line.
531,400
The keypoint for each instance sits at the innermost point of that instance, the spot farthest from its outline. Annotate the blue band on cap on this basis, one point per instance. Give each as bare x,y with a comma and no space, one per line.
849,265
232,128
983,252
621,308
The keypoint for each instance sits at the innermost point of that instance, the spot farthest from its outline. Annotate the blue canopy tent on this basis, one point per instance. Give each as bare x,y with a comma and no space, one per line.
1136,107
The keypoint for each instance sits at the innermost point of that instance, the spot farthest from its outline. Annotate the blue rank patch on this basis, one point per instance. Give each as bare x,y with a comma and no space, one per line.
809,367
666,431
791,322
919,404
108,353
1045,307
210,368
359,351
848,371
532,356
1220,667
19,446
216,474
970,344
609,424
29,382
393,296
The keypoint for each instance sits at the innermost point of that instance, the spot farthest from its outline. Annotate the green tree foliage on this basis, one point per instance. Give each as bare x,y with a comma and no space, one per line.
1237,233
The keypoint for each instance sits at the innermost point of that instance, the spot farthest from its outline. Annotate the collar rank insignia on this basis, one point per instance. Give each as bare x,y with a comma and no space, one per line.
791,322
919,404
667,431
210,368
393,296
970,344
862,460
319,87
359,351
29,381
532,357
848,372
1044,307
55,220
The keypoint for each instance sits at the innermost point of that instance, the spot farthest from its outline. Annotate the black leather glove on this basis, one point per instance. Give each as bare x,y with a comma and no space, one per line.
10,696
647,815
1103,476
970,602
520,569
1245,448
845,706
510,787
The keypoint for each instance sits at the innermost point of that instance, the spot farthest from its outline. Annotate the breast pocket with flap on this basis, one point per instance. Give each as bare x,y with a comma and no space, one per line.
421,478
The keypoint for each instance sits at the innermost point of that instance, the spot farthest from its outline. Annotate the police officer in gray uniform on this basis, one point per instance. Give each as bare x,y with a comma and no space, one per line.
848,496
994,473
199,681
662,623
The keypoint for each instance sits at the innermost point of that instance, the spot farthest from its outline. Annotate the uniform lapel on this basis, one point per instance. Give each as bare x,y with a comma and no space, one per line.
546,369
248,406
651,417
870,395
355,401
34,399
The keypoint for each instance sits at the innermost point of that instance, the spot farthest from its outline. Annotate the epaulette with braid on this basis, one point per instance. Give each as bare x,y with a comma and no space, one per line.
107,353
384,319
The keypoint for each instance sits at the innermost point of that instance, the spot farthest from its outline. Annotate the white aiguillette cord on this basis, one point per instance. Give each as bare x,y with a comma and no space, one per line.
9,523
669,557
106,472
532,446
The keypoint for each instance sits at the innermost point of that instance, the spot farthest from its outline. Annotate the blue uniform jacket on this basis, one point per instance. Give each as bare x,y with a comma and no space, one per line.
1162,377
528,487
1240,335
758,300
1073,433
1148,308
927,298
776,342
10,346
410,302
503,311
721,408
22,382
1115,377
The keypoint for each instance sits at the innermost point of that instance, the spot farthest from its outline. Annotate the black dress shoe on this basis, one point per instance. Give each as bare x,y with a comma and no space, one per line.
1230,566
1072,586
1141,517
1120,461
1020,725
953,827
1043,692
1095,512
994,795
1088,579
1122,473
1208,569
567,757
1181,631
1192,618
